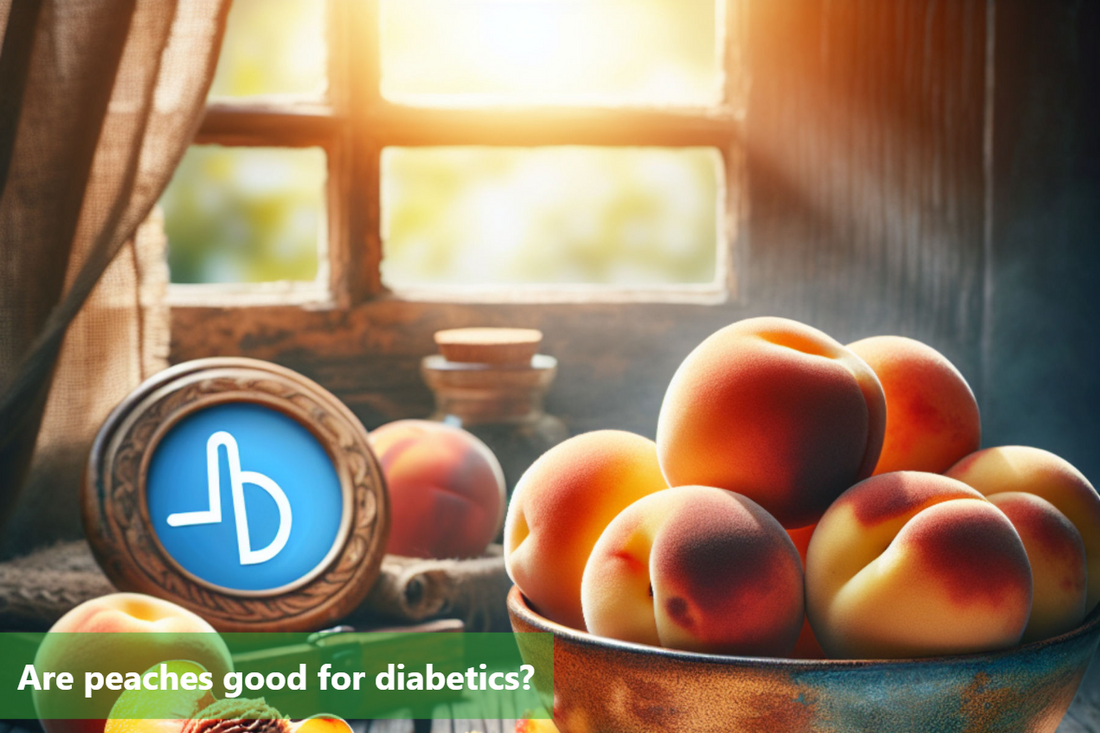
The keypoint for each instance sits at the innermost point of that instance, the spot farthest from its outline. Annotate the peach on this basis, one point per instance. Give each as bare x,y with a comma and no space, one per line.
1016,468
912,564
122,632
534,725
145,711
931,415
801,538
1057,558
321,724
562,504
696,568
807,646
446,489
775,410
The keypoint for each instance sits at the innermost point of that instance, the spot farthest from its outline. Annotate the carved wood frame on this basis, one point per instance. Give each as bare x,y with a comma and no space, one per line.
121,534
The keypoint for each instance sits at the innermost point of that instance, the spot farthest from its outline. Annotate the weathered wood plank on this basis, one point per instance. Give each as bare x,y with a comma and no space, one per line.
390,726
468,726
441,725
865,163
1041,344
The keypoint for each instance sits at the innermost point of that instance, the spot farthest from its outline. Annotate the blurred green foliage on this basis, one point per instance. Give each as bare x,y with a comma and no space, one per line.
245,214
254,214
566,214
273,47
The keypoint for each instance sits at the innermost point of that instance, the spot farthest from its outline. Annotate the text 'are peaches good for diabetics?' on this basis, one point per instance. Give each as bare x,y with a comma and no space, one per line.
807,498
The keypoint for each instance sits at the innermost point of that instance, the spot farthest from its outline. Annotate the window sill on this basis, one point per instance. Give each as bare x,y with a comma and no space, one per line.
311,295
700,294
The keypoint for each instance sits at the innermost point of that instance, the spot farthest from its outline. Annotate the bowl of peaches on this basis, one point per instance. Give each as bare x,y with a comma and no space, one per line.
814,541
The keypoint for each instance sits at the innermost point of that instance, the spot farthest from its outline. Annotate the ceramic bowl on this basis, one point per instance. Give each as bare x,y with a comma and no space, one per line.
608,686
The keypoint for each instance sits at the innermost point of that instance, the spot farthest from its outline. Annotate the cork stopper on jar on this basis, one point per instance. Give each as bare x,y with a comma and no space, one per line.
489,345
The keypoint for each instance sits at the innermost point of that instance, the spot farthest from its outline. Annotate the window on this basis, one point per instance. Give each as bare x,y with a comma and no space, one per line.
468,150
247,214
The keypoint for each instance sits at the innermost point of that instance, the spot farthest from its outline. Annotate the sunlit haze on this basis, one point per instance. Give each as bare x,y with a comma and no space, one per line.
474,215
584,52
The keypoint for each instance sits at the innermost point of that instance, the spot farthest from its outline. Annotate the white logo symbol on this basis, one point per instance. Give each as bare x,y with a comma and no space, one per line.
237,480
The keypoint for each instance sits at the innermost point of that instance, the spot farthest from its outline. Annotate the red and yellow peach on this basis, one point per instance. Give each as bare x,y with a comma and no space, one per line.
562,504
931,415
699,569
159,711
534,725
1057,513
806,647
912,564
122,632
446,489
1057,558
775,410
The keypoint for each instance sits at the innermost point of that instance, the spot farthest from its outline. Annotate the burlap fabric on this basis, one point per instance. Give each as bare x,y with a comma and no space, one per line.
409,589
98,101
119,339
37,589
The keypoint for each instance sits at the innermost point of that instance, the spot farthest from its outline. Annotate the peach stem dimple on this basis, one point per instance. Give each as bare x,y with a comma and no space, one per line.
141,610
797,343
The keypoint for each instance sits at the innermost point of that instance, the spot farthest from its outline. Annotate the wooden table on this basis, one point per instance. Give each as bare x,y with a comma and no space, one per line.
370,726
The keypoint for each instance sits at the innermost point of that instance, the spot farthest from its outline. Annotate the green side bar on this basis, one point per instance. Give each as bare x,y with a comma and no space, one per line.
352,675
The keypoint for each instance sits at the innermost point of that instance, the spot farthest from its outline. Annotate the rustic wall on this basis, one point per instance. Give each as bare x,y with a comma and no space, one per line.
864,175
866,206
1043,315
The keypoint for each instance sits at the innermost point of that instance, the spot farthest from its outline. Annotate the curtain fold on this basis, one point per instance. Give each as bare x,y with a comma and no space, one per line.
112,92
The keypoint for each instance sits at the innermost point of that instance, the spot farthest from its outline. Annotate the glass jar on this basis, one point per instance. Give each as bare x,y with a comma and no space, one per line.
498,398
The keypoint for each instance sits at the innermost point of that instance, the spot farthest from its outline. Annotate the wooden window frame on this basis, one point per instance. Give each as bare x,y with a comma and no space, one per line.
355,123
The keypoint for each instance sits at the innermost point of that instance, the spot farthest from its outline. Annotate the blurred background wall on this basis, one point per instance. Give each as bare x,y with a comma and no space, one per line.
917,167
1042,337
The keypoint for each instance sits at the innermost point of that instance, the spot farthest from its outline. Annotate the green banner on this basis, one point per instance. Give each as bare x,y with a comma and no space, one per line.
348,674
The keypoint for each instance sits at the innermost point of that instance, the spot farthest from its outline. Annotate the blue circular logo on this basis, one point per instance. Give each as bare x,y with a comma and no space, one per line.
244,497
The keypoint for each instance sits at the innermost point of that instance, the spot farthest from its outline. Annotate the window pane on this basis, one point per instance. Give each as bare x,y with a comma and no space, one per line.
587,52
273,47
246,214
570,214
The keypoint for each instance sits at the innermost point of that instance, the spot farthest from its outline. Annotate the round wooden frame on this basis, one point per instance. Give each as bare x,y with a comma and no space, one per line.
116,517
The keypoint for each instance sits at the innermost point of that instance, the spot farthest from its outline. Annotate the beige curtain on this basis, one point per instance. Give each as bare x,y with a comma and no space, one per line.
98,101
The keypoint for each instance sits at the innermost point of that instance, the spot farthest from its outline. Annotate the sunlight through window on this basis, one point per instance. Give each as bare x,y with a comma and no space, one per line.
584,52
599,204
236,215
273,48
553,215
